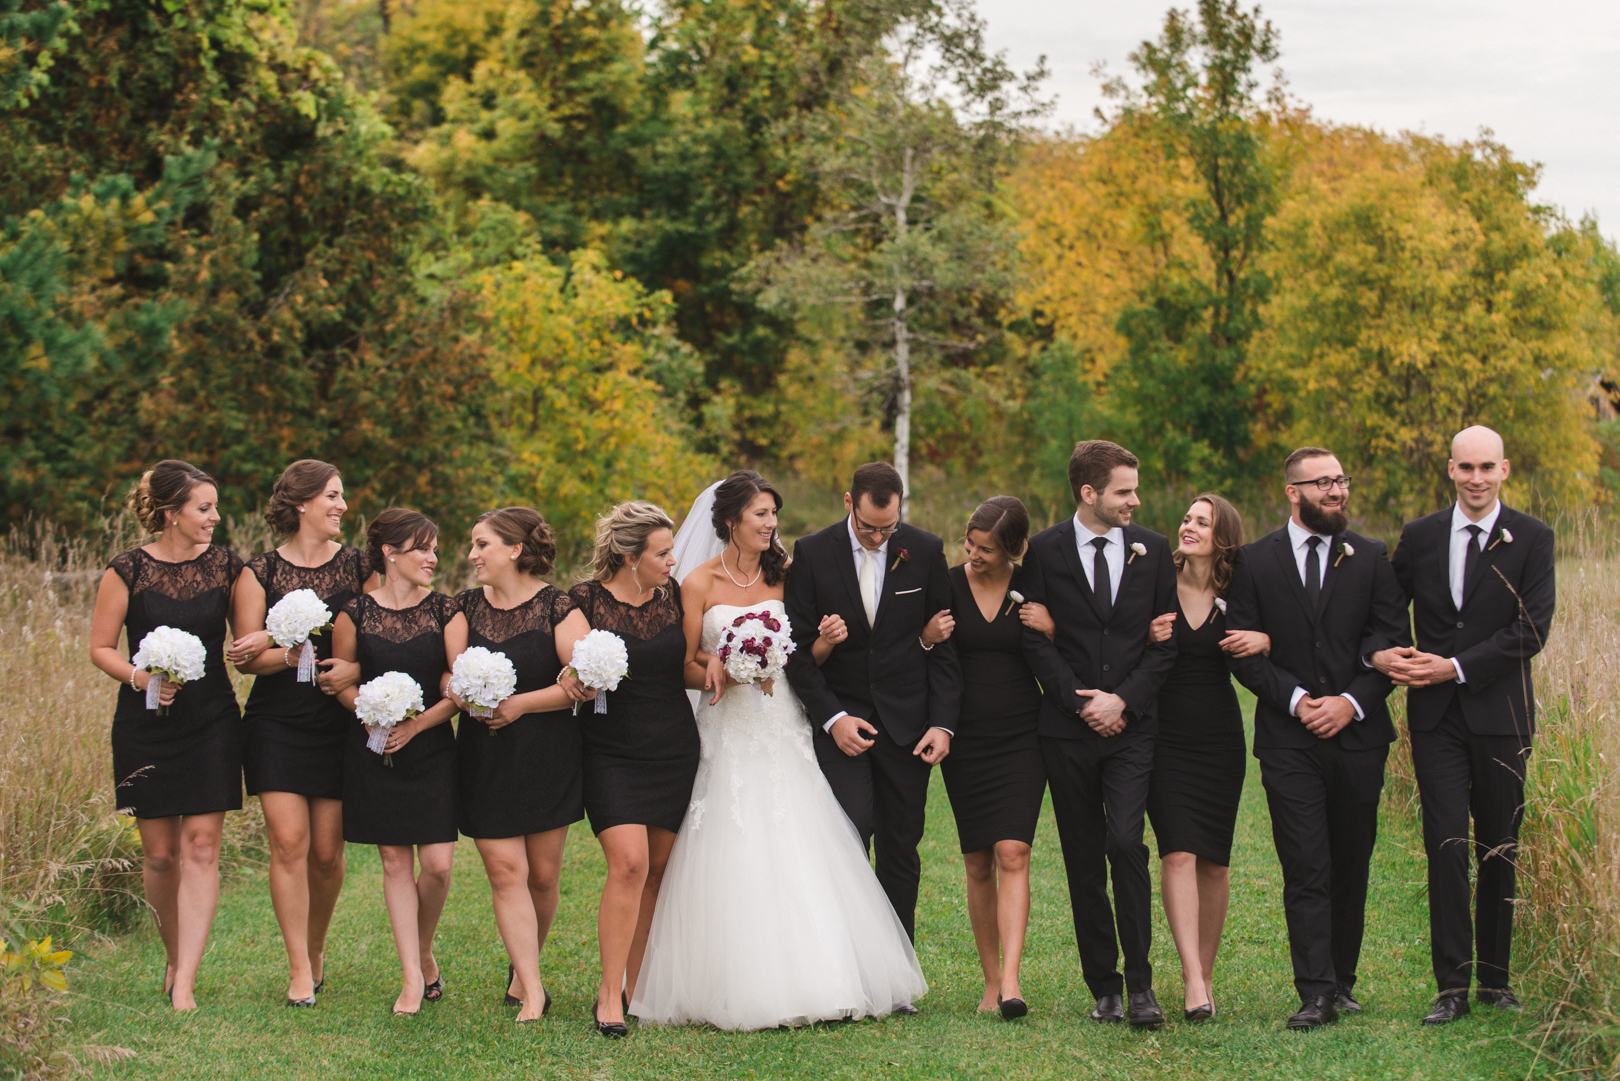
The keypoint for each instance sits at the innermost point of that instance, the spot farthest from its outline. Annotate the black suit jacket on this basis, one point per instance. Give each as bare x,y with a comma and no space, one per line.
879,668
1505,619
1090,654
1359,609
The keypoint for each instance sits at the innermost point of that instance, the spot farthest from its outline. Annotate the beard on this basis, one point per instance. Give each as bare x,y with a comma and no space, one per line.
1329,523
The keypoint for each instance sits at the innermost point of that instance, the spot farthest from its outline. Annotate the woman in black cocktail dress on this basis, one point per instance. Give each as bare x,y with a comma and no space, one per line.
177,773
404,800
520,781
295,732
994,773
1199,755
641,756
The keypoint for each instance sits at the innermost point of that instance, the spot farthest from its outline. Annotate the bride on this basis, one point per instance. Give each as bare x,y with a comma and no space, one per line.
769,913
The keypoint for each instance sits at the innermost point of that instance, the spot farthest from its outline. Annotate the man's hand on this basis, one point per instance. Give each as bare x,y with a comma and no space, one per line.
934,746
939,628
853,735
1417,669
1162,627
1391,661
1105,713
1325,717
1246,643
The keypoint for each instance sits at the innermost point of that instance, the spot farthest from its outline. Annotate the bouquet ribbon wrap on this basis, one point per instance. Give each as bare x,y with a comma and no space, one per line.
154,689
377,739
306,663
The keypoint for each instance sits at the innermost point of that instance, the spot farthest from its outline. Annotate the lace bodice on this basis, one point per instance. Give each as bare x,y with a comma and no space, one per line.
541,612
607,613
216,568
372,620
339,577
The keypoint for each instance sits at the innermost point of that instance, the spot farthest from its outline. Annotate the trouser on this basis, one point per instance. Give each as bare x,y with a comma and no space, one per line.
1324,822
1462,775
1099,796
885,793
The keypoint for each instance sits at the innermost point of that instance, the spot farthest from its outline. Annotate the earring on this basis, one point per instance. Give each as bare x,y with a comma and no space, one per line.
300,510
390,559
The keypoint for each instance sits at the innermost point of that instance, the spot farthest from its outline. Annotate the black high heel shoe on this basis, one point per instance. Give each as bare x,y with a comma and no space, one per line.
1012,1008
435,990
545,1008
1200,1013
609,1030
510,999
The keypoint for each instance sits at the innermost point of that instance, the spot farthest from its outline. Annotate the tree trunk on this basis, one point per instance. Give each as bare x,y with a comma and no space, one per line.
902,410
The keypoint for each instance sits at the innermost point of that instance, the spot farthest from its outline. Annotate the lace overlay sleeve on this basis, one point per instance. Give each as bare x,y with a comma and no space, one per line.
261,565
352,610
216,568
362,568
123,565
233,567
542,613
606,612
580,597
559,602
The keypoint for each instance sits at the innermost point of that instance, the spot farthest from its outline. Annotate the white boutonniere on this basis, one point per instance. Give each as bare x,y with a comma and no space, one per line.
1505,537
1345,550
1220,602
1013,597
1137,549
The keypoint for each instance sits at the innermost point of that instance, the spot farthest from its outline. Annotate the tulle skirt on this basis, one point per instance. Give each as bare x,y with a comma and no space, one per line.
769,913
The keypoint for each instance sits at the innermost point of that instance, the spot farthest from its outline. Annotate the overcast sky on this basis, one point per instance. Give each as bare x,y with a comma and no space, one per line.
1544,75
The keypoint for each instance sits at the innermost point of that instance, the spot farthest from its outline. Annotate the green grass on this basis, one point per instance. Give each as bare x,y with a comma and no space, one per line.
243,1031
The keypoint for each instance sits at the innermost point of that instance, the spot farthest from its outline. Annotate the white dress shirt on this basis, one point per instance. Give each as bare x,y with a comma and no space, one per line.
1299,537
1113,552
1459,555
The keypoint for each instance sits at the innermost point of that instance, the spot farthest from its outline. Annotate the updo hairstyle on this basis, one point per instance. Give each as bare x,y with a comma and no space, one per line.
300,482
1226,527
525,526
623,533
731,499
1007,522
163,488
402,530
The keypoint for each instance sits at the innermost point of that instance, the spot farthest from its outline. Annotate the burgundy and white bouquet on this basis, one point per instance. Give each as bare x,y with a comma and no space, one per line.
172,656
292,620
600,661
483,679
755,650
392,698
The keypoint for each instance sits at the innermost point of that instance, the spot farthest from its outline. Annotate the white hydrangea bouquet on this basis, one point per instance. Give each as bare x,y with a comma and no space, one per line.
173,656
483,679
600,662
755,650
392,698
293,620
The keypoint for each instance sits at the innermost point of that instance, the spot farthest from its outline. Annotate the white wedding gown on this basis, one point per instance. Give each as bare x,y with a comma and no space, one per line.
769,913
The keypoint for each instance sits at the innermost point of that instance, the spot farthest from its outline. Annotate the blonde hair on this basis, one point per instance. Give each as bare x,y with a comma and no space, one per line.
623,533
165,487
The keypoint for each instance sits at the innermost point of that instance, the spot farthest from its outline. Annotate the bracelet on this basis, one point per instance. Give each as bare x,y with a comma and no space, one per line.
132,686
926,647
284,659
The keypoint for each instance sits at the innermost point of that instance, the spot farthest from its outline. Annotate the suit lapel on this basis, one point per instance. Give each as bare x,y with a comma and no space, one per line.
846,568
1071,557
1127,567
896,546
1445,559
1486,558
1284,550
1330,572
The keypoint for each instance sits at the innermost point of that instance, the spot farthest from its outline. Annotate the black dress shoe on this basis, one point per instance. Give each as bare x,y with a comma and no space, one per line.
1109,1008
1500,997
1012,1008
609,1030
1314,1013
1144,1011
510,999
434,991
1344,1001
320,986
1448,1007
905,1009
1200,1013
301,1003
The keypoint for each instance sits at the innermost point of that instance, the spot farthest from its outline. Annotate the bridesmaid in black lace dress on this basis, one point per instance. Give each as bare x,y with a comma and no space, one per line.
404,800
177,773
295,732
641,756
1199,755
520,768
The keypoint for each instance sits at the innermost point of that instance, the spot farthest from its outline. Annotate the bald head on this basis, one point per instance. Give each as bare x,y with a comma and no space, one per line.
1478,467
1477,442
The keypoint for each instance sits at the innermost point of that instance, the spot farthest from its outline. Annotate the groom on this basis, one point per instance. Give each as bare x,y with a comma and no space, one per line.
883,705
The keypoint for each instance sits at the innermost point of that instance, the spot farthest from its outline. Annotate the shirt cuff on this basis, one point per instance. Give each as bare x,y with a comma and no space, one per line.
1455,663
1355,705
828,726
1293,702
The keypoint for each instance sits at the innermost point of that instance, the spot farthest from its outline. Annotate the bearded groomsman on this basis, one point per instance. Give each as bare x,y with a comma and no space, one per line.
1103,580
1480,575
1328,598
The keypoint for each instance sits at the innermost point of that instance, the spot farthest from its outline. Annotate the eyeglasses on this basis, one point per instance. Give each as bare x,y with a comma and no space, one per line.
1324,484
872,530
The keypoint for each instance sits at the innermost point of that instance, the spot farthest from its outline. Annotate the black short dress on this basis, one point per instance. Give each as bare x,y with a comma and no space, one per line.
1198,756
994,774
412,801
524,777
295,732
189,761
641,756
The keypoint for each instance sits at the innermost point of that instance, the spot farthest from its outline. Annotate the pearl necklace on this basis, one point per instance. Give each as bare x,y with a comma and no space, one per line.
734,581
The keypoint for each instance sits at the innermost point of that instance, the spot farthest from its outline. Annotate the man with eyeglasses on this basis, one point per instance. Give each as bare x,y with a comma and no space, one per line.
884,703
1329,599
1480,575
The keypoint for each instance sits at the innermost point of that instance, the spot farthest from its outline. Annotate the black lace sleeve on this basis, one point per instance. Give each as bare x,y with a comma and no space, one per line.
583,597
362,568
352,610
123,565
445,606
261,565
558,604
233,566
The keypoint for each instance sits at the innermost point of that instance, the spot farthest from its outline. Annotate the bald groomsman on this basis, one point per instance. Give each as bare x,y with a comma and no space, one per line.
1480,576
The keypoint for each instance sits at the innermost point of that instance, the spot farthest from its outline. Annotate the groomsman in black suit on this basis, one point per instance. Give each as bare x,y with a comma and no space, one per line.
883,706
1103,580
1480,575
1329,599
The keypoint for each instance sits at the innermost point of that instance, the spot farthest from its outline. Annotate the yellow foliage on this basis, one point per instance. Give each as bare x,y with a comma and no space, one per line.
34,963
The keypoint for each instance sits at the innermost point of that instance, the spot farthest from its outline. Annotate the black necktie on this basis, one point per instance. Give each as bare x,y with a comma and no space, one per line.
1471,559
1313,572
1103,584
